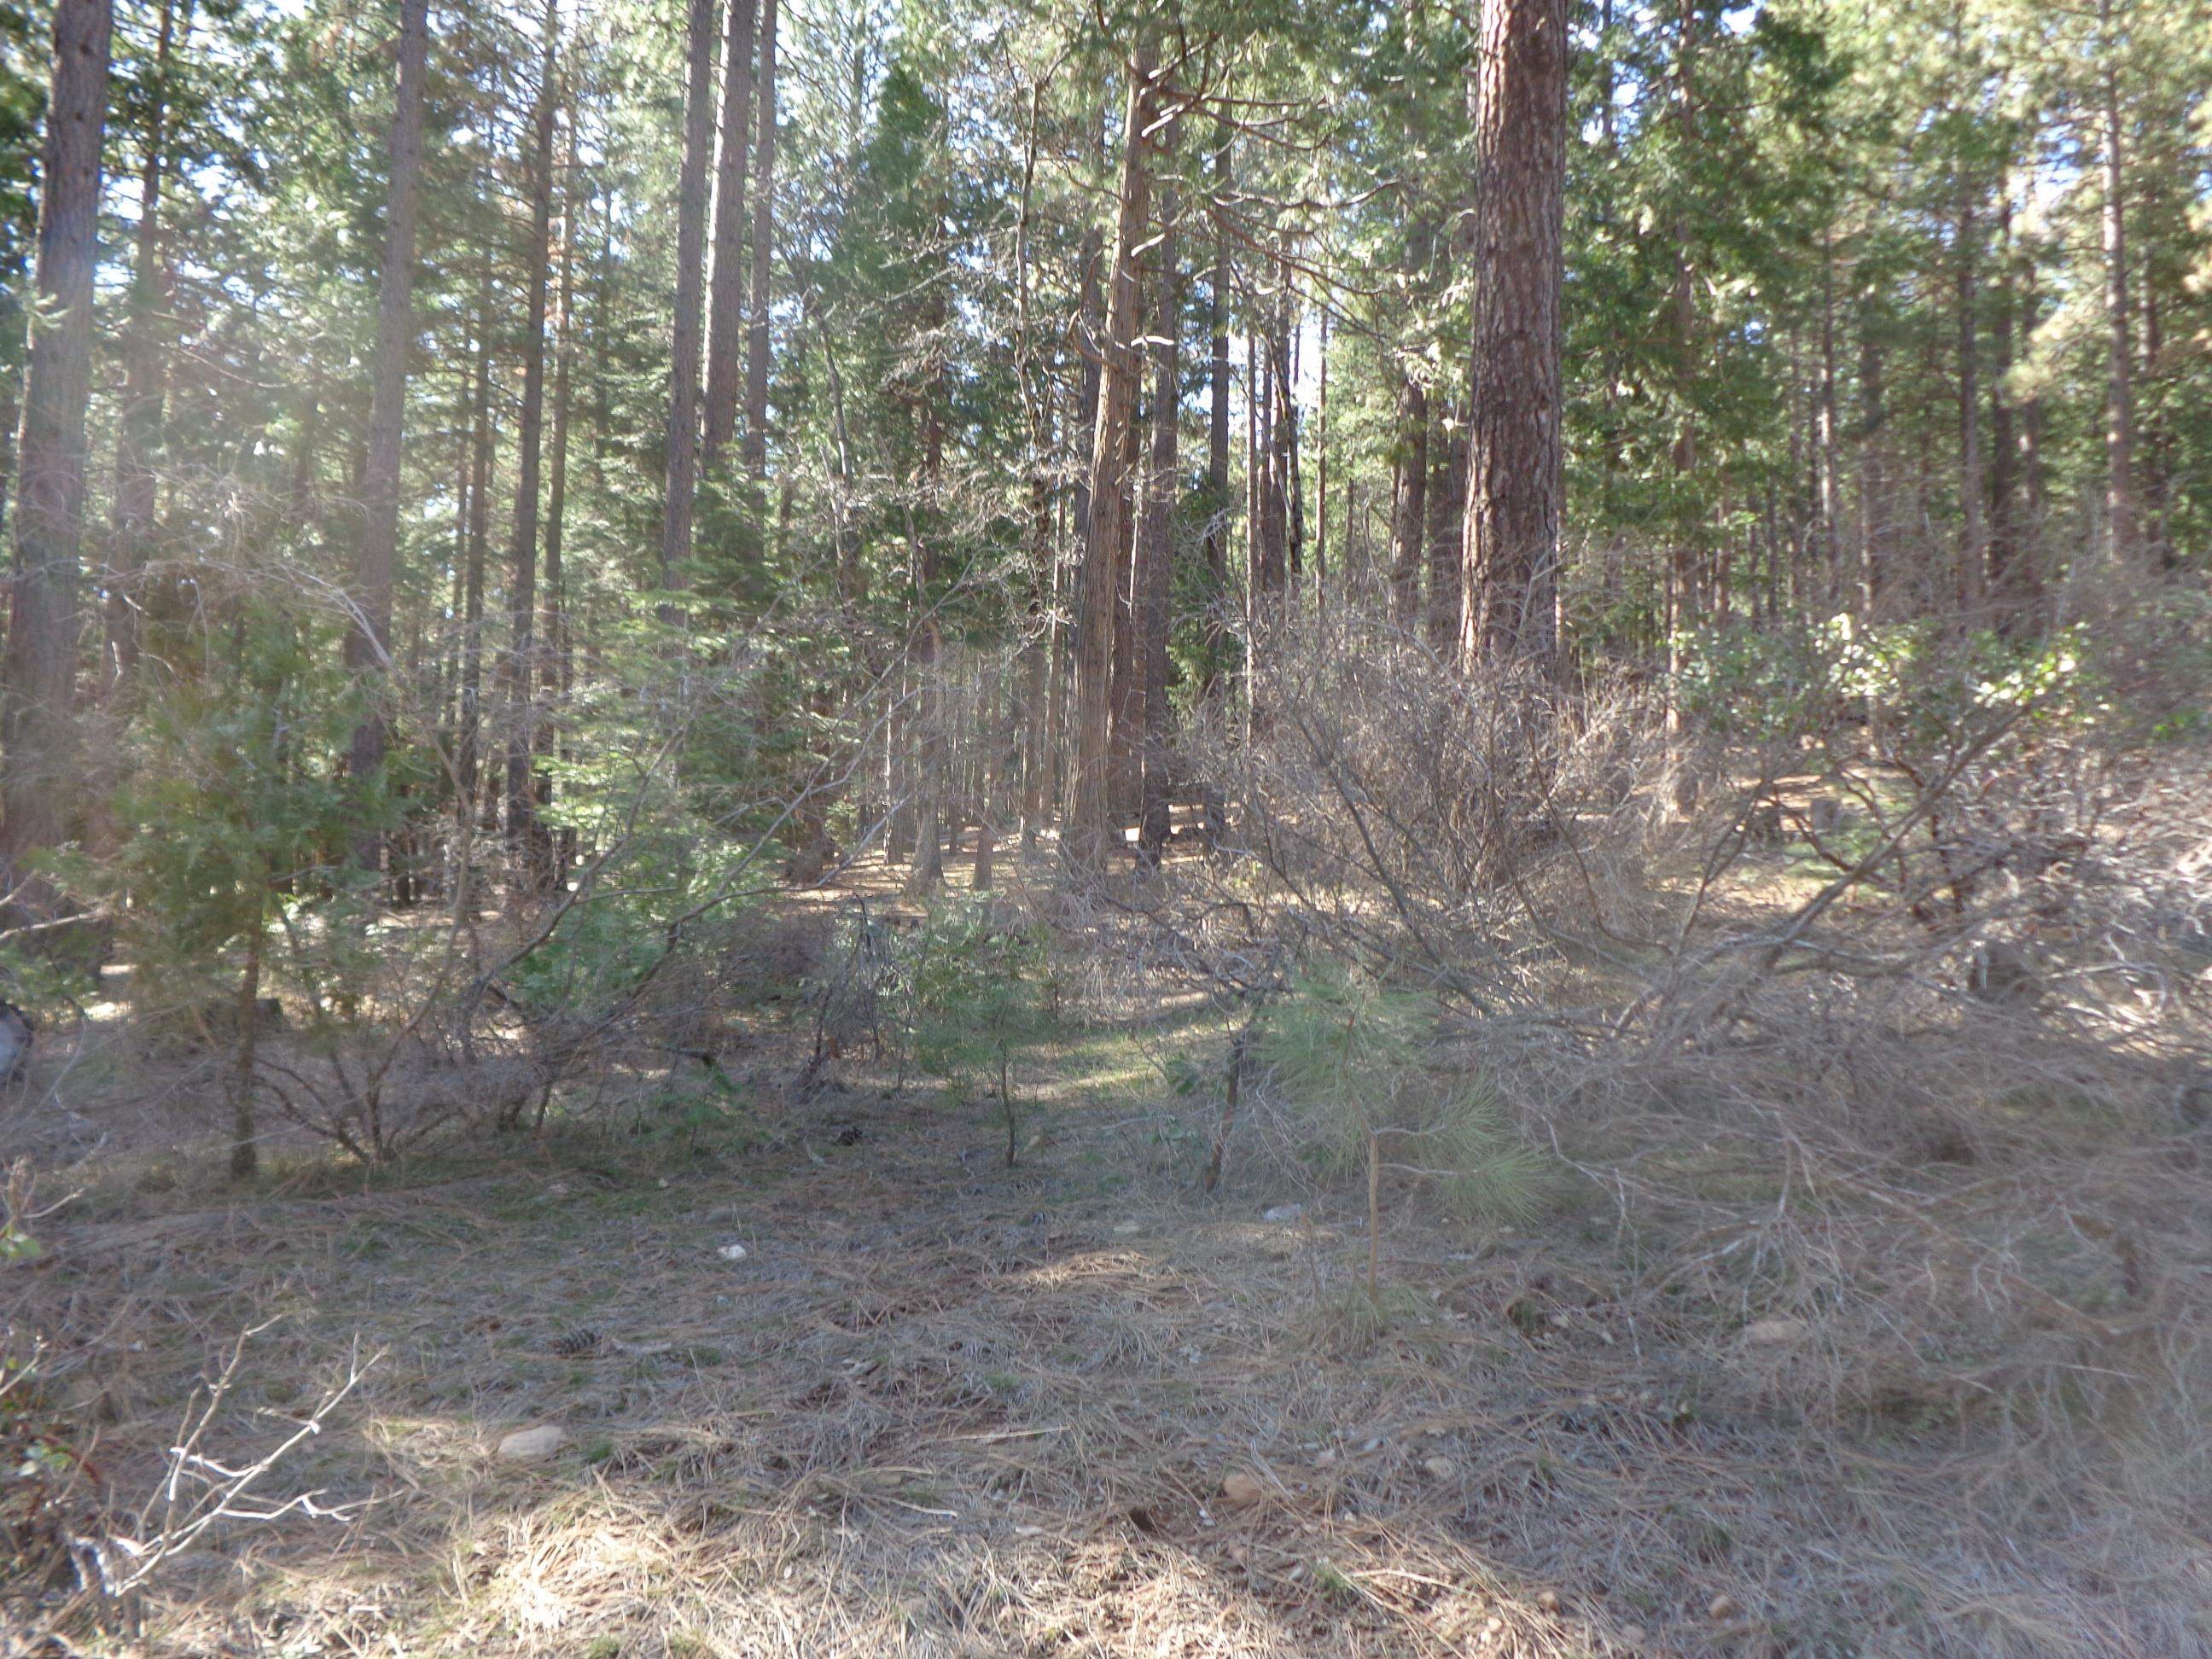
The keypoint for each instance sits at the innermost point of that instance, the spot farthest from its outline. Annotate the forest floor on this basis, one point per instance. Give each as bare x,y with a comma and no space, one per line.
935,1405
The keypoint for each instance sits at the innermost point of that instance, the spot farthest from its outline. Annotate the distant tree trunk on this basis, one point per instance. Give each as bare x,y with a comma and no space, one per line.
466,756
2119,396
138,419
726,306
1409,521
522,598
682,475
1156,536
1217,424
1513,456
1090,814
38,730
556,649
1447,494
245,1015
1874,505
757,345
1974,532
1826,447
368,641
2006,566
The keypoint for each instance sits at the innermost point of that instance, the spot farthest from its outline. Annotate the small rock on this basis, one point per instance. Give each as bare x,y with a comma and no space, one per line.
1125,1228
1439,1469
1775,1332
1241,1489
1283,1213
1722,1609
533,1445
1547,1602
733,1253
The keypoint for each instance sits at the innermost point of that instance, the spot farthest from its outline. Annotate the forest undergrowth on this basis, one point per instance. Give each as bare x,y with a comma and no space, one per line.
1736,1197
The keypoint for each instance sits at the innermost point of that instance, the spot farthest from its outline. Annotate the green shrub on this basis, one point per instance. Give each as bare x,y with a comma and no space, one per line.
1349,1067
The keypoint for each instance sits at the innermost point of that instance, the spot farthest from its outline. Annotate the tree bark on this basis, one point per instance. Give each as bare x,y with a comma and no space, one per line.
1156,536
1974,532
1514,456
138,419
368,641
1090,825
757,345
2120,394
522,598
682,475
725,305
38,729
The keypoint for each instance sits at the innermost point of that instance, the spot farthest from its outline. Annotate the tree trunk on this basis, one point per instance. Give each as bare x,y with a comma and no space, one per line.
138,419
1447,448
1090,818
1216,434
725,305
522,598
682,475
1974,532
1514,458
1156,538
368,641
1409,523
757,345
38,729
2006,566
2119,395
557,650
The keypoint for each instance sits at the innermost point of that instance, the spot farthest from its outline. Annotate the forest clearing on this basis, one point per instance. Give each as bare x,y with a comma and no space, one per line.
1239,828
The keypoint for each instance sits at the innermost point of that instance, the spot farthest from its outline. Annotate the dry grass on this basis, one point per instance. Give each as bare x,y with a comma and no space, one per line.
942,1407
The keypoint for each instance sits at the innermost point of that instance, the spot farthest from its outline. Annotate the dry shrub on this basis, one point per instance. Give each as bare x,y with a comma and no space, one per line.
1882,1043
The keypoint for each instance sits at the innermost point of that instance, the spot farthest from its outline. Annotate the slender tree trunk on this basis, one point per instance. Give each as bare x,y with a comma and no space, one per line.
1446,507
138,420
522,596
1090,815
369,642
2119,395
38,762
680,501
245,1011
1513,456
2007,567
556,653
726,306
757,348
1156,537
1217,431
466,756
1973,532
1410,515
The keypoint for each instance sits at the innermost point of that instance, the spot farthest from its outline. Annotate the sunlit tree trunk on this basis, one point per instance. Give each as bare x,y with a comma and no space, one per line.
1513,456
1090,826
